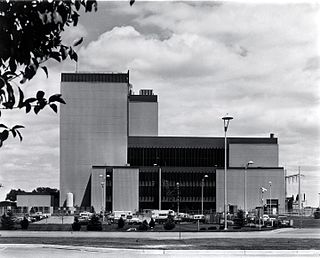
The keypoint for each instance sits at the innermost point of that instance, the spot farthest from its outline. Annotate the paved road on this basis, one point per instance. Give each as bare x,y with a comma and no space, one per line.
35,251
291,233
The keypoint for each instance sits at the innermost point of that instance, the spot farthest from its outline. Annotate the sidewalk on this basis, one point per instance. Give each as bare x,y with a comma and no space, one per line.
39,250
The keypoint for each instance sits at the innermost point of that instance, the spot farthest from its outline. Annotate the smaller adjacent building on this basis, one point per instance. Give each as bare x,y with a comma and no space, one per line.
37,202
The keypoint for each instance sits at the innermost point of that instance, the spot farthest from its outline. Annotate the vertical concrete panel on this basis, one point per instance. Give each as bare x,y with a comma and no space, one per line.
256,178
143,118
93,131
263,155
125,195
96,188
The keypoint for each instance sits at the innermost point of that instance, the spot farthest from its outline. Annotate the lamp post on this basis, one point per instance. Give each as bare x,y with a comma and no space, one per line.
245,185
270,184
156,165
103,193
102,200
202,184
178,197
226,119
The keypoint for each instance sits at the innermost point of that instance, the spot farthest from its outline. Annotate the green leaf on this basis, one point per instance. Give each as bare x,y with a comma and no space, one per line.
30,100
13,133
3,126
56,56
40,95
45,69
4,135
28,107
54,107
77,4
54,97
19,134
36,109
132,2
21,97
12,64
17,127
78,42
2,82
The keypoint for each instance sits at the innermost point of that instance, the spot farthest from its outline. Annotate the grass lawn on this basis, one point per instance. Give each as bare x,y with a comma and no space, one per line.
205,244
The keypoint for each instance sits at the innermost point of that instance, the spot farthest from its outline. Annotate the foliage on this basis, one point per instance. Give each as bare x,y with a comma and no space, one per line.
30,35
92,209
24,223
240,220
94,224
169,225
46,190
152,223
7,221
144,226
76,226
316,214
120,223
12,195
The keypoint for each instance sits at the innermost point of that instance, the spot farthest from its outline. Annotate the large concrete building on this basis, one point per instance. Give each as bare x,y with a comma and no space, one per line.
112,158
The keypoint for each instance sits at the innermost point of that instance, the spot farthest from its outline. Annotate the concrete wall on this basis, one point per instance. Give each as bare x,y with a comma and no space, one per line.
93,131
256,178
125,194
263,155
143,118
96,188
33,200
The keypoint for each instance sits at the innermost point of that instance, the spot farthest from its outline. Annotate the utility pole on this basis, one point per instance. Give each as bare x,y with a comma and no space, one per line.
298,177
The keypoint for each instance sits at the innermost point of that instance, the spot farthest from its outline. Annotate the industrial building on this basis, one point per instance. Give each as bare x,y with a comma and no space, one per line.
112,158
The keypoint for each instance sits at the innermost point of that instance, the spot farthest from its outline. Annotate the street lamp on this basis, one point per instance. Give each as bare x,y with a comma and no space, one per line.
226,119
270,184
178,197
156,165
245,184
202,184
103,193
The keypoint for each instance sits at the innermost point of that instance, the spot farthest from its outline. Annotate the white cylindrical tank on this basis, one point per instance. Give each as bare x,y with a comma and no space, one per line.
69,200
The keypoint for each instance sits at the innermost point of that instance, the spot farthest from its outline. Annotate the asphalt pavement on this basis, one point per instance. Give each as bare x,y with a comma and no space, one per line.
35,251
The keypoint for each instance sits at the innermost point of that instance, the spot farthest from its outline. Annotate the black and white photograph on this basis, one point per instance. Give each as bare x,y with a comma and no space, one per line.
159,128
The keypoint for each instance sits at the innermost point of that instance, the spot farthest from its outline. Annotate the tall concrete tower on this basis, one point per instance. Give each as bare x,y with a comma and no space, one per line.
93,129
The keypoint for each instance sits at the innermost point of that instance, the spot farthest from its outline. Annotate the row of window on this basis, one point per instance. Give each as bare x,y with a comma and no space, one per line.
176,157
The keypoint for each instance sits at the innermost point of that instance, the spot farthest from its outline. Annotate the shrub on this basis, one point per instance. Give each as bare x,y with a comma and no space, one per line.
76,226
94,224
24,223
202,229
169,225
7,221
120,223
316,214
212,228
240,219
143,226
152,223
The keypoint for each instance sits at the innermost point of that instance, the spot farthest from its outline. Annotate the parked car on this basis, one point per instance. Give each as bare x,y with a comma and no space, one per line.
197,217
283,221
133,220
265,217
229,222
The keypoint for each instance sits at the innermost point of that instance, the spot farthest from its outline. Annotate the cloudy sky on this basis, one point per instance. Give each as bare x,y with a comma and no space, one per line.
257,62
